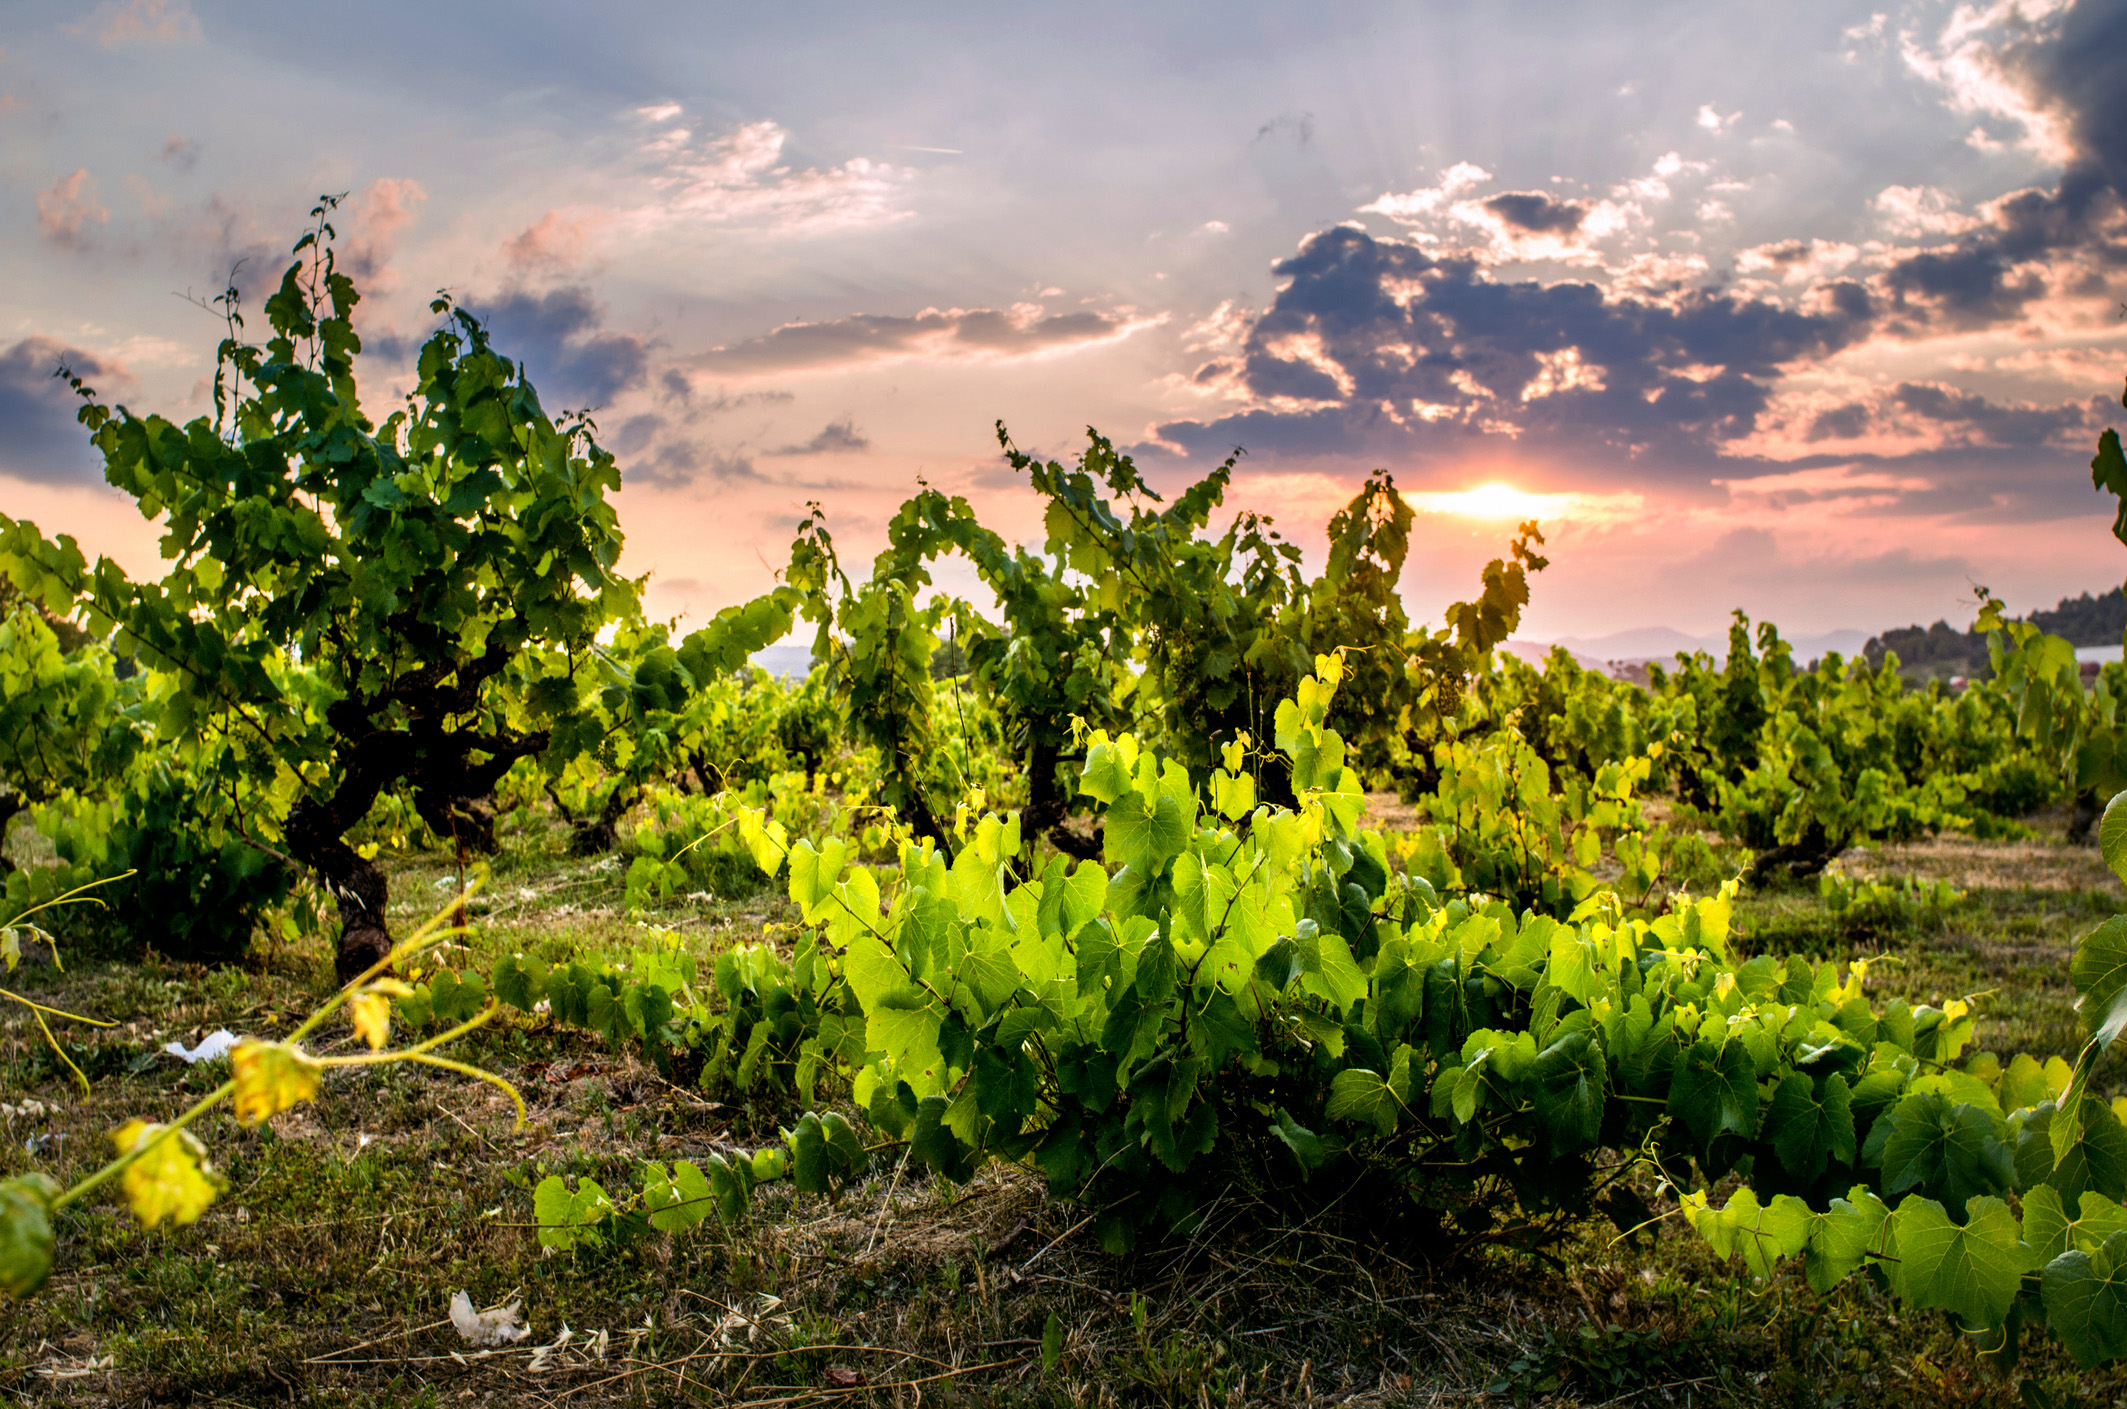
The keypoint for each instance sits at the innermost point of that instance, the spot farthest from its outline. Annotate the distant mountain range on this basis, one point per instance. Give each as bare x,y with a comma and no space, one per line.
1922,650
1664,642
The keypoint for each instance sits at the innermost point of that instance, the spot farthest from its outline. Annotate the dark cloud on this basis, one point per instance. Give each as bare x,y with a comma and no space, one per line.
1537,213
979,333
676,463
559,337
39,438
1993,423
2072,68
1841,423
1298,128
675,386
2079,70
835,438
180,152
1387,346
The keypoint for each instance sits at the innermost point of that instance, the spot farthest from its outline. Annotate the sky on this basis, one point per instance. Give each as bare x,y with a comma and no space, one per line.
1814,312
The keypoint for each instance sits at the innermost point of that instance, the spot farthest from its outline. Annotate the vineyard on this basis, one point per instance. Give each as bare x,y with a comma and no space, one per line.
1165,978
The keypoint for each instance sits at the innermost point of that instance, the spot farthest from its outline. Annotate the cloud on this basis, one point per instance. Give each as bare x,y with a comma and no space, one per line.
1971,419
836,438
954,334
1375,343
554,244
381,214
180,152
142,22
559,337
2049,67
678,463
68,209
1909,211
1793,262
1537,213
1410,205
738,178
40,440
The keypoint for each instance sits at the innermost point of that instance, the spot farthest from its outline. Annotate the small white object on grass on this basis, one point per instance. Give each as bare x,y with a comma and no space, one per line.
498,1325
212,1048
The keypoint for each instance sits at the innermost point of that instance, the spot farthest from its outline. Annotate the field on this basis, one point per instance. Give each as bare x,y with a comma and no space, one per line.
1171,978
325,1273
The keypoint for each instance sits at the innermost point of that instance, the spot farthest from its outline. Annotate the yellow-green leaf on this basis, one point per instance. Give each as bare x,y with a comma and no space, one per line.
271,1077
171,1181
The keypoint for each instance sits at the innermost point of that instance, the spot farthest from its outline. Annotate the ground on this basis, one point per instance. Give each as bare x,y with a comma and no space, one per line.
325,1273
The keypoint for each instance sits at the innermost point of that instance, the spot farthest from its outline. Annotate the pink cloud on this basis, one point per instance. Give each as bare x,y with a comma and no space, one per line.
381,214
67,210
555,244
143,22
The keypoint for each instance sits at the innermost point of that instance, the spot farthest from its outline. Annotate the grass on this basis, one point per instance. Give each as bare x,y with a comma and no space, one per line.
324,1273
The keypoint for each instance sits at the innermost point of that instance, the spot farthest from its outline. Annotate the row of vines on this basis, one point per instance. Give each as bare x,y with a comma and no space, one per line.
1082,872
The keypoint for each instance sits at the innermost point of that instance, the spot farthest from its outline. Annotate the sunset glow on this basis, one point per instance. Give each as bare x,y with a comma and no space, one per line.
1497,500
1689,295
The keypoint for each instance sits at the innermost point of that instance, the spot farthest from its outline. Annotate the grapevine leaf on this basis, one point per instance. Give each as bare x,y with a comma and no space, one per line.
1359,1094
1974,1270
1105,777
520,982
26,1239
1570,1078
676,1201
171,1181
1842,1238
1952,1153
1144,837
1306,1146
1715,1089
2085,1295
2112,835
1807,1130
2099,971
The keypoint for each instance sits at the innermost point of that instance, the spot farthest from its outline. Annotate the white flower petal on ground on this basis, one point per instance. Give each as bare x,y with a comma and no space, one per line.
498,1325
212,1048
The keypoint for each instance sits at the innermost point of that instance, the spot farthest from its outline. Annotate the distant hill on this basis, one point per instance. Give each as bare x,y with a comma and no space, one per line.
1940,651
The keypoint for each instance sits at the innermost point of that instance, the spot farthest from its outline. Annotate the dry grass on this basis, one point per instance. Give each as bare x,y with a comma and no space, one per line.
324,1274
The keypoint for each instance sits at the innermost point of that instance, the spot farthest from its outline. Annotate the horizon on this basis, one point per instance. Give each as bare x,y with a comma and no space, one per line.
1821,325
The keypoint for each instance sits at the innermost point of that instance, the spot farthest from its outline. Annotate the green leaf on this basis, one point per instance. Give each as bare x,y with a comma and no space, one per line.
1052,1339
1715,1088
566,1219
1105,777
2085,1295
26,1239
2112,835
1841,1239
2099,971
1807,1130
1973,1271
1762,1234
1950,1153
520,982
676,1201
1143,837
1570,1081
1305,1145
1359,1094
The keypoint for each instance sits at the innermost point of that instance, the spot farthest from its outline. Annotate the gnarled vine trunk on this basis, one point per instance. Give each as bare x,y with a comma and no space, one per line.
449,791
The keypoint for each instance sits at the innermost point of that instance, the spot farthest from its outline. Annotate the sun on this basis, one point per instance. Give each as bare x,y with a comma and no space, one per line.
1495,500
